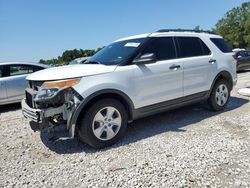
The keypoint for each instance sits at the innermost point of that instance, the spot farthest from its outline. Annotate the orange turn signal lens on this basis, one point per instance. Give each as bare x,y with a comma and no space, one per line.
60,83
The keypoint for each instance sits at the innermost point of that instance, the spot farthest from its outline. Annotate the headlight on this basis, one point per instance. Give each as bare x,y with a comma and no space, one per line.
62,84
51,88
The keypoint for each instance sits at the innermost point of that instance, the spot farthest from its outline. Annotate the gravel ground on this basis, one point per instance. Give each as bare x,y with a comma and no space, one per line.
188,147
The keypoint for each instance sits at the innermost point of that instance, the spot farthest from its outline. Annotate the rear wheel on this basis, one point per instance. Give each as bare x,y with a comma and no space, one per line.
220,95
104,123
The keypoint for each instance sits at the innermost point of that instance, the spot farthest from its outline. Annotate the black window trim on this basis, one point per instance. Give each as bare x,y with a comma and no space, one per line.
138,52
5,72
214,38
1,69
175,49
145,45
129,60
7,69
37,68
200,41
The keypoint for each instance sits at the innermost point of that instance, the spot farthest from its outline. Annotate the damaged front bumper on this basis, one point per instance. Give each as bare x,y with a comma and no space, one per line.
49,117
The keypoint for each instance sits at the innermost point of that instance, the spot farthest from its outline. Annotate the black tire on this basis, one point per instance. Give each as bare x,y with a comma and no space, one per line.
86,132
213,100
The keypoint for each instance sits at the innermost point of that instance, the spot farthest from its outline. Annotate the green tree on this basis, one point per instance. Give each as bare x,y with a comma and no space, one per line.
235,26
69,55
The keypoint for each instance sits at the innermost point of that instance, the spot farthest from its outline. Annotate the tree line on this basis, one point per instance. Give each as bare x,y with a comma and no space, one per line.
70,55
234,27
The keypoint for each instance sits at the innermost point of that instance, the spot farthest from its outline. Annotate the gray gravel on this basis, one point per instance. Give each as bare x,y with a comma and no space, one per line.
188,147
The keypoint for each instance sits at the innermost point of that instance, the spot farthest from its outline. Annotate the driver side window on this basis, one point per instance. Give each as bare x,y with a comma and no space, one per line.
162,47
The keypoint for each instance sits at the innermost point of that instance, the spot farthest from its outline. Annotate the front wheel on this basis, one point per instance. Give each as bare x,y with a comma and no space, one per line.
104,123
219,96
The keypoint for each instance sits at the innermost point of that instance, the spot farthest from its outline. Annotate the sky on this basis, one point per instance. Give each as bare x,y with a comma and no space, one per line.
31,30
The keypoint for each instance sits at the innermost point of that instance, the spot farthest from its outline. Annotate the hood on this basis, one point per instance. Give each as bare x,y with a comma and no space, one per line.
70,71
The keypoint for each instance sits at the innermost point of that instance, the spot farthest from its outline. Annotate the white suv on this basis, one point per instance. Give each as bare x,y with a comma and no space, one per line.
129,79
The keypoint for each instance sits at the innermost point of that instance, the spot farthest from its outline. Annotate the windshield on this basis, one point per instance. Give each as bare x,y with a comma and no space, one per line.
116,52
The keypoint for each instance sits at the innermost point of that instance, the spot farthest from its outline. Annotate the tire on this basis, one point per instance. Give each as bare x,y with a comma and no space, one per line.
219,96
104,123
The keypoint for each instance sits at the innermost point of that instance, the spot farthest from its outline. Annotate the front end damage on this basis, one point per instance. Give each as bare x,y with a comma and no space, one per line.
49,107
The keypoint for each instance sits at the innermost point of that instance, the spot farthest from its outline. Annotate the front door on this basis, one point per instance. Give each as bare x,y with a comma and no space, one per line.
160,81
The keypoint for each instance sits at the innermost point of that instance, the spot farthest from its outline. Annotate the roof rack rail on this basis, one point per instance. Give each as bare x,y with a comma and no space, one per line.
186,30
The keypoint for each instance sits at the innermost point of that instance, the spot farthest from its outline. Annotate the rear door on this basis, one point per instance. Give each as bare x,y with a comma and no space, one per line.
198,64
3,94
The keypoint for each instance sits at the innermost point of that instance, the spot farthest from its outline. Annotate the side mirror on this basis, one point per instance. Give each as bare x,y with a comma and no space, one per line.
239,57
145,59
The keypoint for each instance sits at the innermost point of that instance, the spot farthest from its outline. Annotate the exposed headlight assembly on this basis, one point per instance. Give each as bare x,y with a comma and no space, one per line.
51,88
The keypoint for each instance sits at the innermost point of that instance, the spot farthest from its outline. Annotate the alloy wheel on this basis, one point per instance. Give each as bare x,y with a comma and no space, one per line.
221,95
106,123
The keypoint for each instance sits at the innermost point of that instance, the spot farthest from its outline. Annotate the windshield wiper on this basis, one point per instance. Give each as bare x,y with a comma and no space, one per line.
92,62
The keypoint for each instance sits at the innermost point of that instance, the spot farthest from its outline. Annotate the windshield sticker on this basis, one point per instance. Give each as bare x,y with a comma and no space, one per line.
132,44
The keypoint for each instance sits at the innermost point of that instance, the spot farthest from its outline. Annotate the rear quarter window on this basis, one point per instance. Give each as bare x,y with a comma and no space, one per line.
222,45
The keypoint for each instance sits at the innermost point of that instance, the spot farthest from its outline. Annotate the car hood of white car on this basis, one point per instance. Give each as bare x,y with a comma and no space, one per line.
70,71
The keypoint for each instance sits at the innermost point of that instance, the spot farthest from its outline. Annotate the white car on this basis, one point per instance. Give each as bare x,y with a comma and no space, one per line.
129,79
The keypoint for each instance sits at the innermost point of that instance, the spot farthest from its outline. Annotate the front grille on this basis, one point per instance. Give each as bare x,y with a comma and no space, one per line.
28,99
30,95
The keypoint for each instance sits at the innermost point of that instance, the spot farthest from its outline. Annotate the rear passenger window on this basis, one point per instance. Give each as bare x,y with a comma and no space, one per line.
191,47
162,47
222,45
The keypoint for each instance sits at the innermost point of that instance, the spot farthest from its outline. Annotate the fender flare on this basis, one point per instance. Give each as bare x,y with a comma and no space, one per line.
224,74
72,122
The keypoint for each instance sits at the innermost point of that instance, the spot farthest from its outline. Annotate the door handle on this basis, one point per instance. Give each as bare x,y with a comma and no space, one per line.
174,67
212,61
